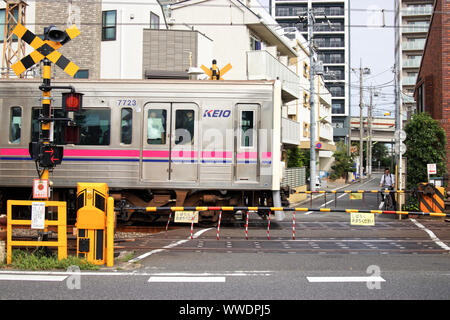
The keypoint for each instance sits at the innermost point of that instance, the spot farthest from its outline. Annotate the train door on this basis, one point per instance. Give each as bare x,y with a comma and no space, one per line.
169,147
184,146
156,142
246,154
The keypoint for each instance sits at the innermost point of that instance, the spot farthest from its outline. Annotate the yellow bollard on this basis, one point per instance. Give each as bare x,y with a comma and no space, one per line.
110,232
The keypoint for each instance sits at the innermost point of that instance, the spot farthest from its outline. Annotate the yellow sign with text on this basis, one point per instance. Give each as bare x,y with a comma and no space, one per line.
362,219
355,196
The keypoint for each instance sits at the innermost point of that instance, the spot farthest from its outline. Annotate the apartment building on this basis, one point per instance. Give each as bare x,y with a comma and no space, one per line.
118,40
331,38
412,20
249,38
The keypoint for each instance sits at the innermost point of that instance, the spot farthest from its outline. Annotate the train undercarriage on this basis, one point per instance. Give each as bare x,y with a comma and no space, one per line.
126,201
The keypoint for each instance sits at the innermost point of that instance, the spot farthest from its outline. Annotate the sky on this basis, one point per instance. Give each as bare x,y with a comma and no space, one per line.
375,46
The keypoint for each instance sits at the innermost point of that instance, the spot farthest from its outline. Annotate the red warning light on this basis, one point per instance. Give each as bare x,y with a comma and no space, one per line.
72,101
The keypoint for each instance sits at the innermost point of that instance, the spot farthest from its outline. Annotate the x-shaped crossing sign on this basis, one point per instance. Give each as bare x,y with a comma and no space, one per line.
44,49
215,73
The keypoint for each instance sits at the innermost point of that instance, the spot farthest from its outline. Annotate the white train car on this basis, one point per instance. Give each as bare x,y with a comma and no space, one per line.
155,143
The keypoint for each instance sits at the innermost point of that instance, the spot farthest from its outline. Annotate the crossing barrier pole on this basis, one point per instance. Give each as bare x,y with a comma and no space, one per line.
268,228
293,225
218,225
110,233
246,227
192,226
168,221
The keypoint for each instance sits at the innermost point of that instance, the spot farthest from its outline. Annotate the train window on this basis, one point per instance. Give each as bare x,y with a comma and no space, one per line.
95,126
58,126
126,126
156,130
184,127
247,125
15,125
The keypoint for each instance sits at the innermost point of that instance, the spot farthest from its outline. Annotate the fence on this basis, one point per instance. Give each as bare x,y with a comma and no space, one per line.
294,177
61,223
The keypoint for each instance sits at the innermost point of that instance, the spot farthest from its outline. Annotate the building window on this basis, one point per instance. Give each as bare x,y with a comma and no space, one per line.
420,99
2,24
82,74
255,43
338,107
109,25
154,21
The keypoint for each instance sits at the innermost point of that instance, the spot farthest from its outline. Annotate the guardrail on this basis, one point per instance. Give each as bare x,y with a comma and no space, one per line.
61,223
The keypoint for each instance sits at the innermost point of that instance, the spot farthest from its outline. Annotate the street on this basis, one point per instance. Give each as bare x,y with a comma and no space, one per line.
329,259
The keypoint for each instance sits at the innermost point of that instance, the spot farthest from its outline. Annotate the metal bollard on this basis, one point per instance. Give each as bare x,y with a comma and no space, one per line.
2,251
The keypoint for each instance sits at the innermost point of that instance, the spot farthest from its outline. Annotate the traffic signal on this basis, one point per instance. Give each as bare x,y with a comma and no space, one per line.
50,156
72,101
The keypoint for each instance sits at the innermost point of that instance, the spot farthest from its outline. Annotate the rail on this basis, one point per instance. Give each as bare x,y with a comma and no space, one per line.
61,223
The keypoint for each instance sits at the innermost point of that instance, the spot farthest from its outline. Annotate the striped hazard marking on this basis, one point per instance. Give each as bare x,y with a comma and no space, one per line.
44,49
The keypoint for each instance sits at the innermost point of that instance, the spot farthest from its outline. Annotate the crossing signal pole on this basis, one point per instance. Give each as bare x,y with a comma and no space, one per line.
214,72
46,154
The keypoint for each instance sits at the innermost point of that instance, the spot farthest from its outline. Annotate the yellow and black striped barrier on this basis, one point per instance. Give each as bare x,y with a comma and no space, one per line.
272,209
45,49
353,191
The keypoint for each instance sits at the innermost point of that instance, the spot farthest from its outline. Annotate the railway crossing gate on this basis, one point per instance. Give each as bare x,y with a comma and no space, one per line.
214,72
46,154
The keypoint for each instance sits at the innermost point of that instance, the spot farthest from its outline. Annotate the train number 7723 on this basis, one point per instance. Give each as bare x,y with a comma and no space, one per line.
126,103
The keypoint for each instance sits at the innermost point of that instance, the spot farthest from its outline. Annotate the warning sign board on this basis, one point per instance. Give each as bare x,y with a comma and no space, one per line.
431,168
38,215
40,189
362,219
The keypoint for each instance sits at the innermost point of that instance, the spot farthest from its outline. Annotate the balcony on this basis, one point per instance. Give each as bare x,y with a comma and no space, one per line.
415,28
330,11
417,11
326,131
409,81
415,45
411,63
261,65
290,132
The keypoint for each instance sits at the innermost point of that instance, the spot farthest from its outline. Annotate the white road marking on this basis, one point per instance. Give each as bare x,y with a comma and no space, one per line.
432,235
22,277
346,279
187,279
343,195
172,245
63,274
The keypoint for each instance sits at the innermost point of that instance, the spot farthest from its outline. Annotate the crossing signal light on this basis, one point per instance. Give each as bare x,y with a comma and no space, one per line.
72,101
51,156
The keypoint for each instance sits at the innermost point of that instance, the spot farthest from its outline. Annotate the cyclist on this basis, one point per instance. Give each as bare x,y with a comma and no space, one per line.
387,182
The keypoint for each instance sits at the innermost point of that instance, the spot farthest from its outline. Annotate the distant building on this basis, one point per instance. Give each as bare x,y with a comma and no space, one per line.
431,89
412,20
333,42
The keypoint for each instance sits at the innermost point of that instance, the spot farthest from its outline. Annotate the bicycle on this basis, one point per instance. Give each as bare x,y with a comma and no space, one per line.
387,201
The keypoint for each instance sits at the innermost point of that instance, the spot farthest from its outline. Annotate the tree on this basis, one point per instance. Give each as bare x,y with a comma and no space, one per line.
343,163
425,143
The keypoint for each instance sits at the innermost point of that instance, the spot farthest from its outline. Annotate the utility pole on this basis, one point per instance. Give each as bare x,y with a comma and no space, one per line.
361,123
362,72
312,101
369,135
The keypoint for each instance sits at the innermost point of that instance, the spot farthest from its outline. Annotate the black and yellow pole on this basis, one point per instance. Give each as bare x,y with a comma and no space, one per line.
46,125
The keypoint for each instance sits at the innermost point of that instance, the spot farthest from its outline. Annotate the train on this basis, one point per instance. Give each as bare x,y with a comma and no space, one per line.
154,142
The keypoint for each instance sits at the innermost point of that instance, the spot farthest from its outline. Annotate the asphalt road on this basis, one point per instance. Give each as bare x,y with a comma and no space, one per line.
329,259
